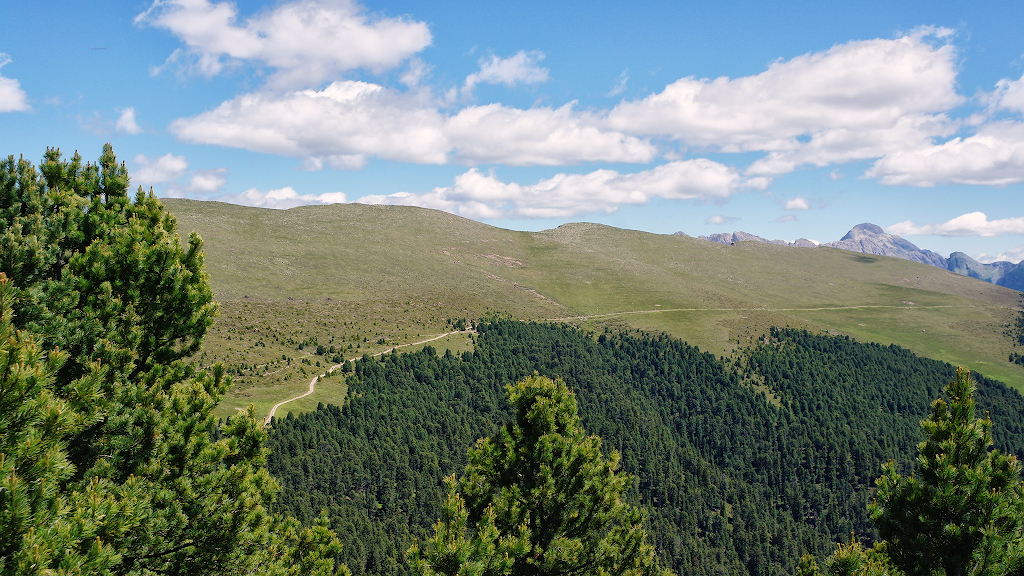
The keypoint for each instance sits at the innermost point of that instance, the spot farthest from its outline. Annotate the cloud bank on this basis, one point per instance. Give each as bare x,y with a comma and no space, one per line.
282,198
475,194
972,224
353,120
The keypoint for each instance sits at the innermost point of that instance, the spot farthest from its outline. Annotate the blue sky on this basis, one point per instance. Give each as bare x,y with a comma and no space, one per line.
787,121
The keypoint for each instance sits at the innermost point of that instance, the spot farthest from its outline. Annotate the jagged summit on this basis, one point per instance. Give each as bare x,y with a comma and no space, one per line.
739,236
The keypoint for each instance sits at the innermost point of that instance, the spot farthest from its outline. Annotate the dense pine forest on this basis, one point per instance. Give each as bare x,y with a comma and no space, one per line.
743,464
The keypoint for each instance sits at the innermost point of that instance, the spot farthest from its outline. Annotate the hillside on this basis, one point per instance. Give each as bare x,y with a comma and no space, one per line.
356,278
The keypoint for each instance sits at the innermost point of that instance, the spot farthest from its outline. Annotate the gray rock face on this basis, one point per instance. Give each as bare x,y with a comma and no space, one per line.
1000,273
738,236
871,239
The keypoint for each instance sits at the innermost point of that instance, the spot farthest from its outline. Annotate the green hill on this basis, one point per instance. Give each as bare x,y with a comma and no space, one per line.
354,278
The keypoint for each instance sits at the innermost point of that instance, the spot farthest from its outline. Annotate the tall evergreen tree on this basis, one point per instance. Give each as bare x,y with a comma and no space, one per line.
110,456
538,499
963,512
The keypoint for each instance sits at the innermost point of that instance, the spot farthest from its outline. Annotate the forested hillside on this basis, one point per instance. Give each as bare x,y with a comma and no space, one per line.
743,464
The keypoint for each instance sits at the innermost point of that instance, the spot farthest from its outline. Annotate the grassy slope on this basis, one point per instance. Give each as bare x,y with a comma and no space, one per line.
342,273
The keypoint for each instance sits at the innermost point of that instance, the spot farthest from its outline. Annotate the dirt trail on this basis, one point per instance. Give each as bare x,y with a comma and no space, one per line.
659,310
312,383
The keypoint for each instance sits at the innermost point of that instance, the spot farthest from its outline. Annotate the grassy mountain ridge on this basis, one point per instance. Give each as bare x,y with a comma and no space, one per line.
344,272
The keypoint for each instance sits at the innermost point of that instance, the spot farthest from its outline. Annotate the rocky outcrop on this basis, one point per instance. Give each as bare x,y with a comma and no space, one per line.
734,237
1002,273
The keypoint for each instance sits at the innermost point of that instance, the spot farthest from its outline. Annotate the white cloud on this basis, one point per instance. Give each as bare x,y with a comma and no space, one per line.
304,41
1009,94
539,136
349,121
416,73
620,86
347,118
857,100
478,195
720,219
207,181
126,123
785,219
336,161
12,97
798,203
157,170
972,224
172,173
521,68
993,156
282,198
1015,255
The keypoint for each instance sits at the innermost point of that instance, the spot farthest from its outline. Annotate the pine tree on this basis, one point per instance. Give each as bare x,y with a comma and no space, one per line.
108,454
538,498
963,511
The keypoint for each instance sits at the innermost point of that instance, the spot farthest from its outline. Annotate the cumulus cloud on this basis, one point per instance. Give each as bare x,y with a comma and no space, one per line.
972,224
206,181
482,195
12,97
348,121
1015,255
172,174
1009,95
720,219
519,69
857,100
126,123
282,198
346,118
304,41
798,203
157,170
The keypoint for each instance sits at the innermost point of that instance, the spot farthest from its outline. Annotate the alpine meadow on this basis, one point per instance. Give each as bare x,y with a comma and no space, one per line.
196,387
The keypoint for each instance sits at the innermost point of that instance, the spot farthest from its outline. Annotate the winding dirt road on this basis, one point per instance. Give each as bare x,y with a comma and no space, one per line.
312,383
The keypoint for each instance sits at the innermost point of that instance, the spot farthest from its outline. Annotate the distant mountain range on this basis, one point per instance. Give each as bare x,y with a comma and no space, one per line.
871,239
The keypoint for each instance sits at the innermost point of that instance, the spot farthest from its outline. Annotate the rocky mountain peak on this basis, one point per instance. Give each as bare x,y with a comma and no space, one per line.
871,239
865,229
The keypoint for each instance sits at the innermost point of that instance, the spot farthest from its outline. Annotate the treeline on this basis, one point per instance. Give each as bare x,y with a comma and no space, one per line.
735,480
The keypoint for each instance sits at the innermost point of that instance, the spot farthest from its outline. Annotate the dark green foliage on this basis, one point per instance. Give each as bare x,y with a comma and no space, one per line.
538,499
110,457
731,482
963,510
